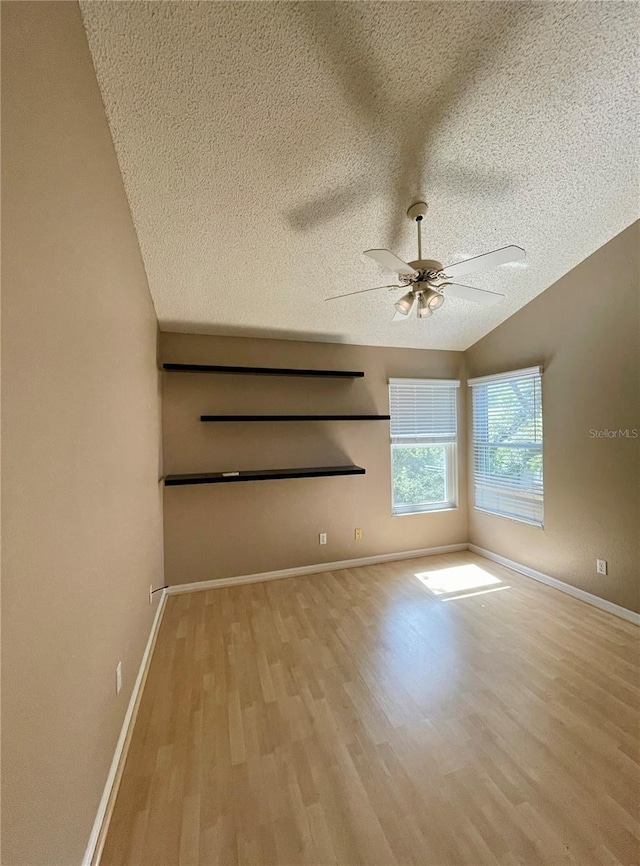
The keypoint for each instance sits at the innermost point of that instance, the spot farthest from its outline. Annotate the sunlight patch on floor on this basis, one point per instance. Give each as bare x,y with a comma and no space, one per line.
480,592
444,581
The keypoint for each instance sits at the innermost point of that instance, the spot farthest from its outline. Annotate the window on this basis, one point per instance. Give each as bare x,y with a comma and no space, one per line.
423,444
507,444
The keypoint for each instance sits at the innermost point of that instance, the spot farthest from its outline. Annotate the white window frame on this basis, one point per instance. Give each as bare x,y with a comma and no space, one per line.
426,439
506,489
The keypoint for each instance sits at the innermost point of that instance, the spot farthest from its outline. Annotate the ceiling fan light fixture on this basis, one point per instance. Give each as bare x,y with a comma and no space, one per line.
424,310
434,299
403,306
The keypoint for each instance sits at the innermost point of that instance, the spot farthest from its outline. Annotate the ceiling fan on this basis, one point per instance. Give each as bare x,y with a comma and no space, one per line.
428,282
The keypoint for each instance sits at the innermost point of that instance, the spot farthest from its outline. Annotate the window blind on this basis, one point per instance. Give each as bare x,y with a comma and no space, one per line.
423,410
507,444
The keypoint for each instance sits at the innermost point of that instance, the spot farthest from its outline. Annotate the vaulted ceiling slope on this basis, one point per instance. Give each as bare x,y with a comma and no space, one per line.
265,145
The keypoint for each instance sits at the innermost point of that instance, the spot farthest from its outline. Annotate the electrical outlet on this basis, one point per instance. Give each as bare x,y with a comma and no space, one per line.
601,566
118,678
151,594
357,533
322,538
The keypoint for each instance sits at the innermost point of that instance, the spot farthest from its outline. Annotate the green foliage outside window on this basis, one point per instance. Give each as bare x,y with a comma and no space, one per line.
513,416
515,463
419,474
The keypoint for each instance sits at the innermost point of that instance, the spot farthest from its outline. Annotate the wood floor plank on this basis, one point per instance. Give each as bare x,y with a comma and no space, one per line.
442,711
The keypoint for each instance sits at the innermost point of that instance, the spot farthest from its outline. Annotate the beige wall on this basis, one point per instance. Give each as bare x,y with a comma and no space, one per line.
585,329
81,503
214,531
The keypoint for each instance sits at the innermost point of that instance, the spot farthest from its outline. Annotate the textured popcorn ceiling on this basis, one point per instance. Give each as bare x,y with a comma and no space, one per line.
265,145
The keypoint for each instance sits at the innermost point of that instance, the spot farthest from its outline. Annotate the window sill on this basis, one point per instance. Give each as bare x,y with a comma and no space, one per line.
425,511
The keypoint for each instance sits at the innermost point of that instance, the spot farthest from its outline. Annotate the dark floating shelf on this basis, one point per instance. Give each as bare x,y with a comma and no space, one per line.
263,371
261,475
295,417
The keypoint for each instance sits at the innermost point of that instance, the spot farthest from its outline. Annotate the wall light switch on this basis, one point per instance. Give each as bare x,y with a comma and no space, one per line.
601,566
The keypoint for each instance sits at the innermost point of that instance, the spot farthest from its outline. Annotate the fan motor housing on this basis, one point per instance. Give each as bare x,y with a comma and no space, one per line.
426,265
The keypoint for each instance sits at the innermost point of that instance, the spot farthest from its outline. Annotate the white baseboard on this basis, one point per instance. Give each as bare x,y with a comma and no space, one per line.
313,569
119,755
595,600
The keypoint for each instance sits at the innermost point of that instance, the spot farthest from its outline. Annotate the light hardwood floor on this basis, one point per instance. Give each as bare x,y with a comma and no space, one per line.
359,717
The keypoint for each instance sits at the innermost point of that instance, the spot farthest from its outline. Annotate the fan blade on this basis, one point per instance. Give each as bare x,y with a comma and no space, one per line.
391,262
361,292
485,262
468,293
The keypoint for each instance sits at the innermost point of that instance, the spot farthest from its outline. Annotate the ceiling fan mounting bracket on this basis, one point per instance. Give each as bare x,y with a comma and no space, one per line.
418,210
